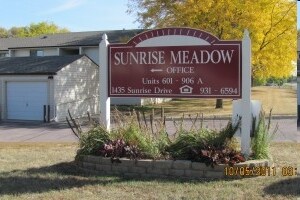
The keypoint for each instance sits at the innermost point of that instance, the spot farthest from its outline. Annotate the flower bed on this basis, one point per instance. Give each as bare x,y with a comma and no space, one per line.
138,149
169,168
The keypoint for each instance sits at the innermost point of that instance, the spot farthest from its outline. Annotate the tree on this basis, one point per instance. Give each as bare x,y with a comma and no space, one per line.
36,29
3,33
15,31
271,23
272,26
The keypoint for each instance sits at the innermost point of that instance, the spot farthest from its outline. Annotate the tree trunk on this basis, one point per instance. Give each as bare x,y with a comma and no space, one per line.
219,103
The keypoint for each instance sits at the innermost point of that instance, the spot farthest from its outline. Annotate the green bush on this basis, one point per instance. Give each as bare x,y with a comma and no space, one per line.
189,143
277,81
134,136
152,144
91,141
151,141
260,142
259,81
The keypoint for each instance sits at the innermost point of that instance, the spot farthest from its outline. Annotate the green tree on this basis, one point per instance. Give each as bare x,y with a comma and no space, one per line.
15,31
3,33
36,29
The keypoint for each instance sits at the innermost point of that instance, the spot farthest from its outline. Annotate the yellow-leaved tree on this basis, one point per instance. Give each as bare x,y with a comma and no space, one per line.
272,26
271,23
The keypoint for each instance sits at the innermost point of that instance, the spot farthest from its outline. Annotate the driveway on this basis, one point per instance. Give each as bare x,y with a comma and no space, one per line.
60,132
35,132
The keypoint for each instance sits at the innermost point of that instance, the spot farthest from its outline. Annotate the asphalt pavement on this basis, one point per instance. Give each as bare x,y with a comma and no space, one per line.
35,132
60,132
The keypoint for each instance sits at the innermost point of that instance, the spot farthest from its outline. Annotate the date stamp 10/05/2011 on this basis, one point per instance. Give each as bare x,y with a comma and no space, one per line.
260,171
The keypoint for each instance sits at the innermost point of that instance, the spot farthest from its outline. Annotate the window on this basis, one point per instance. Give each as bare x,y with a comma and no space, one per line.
40,53
36,52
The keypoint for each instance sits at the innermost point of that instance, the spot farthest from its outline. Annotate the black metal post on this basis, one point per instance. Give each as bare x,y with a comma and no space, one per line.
44,113
48,116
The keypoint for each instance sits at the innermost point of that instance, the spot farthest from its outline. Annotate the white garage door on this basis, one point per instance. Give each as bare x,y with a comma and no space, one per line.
26,100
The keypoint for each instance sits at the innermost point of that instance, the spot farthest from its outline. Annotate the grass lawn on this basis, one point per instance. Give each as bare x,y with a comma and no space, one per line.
46,171
283,101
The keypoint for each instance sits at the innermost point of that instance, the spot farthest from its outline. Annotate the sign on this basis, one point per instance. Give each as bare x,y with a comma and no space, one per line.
177,62
205,68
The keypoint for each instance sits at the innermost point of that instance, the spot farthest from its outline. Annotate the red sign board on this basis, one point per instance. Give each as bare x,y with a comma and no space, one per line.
210,70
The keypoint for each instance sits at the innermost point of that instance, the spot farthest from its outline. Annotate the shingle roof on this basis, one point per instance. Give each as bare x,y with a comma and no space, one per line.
91,38
47,65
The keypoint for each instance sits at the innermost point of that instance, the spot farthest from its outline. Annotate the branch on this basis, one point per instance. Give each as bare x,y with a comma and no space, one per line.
265,42
271,40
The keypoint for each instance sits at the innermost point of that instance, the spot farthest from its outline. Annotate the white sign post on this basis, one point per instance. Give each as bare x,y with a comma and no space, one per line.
103,87
246,94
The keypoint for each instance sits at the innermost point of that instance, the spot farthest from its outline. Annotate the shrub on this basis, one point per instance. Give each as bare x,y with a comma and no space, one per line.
206,145
92,140
119,148
133,136
277,81
262,137
129,138
259,81
151,143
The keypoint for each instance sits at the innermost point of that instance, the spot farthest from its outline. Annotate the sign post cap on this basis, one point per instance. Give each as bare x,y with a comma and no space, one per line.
104,37
246,33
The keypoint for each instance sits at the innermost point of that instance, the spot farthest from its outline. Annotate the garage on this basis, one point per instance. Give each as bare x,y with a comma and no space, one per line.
62,83
26,100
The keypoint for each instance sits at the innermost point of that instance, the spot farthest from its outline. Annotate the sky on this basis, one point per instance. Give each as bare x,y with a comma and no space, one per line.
75,15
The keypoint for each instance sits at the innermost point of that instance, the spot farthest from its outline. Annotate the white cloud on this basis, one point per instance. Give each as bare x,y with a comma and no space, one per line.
67,5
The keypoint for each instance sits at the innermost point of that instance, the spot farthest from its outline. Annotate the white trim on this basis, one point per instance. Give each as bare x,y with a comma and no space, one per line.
103,75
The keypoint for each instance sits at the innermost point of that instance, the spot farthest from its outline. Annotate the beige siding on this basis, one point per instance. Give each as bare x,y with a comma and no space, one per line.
92,53
21,53
26,52
76,88
50,52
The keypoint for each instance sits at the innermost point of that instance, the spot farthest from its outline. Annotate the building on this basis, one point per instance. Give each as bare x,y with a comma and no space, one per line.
30,65
44,88
76,43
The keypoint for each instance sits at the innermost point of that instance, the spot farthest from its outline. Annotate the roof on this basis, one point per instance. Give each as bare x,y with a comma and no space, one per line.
91,38
46,65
